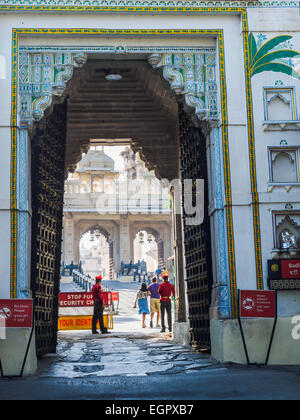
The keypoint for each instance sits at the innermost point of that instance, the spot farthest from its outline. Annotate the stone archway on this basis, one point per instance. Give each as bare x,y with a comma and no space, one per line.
190,75
185,72
102,231
160,231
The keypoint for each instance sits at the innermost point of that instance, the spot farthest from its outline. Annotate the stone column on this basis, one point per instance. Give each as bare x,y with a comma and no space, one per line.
125,249
179,271
24,215
221,304
69,239
77,237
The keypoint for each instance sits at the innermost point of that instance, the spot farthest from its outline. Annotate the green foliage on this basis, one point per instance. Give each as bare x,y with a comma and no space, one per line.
262,59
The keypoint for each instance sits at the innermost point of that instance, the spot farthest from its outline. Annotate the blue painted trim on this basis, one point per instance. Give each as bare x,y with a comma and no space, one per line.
22,170
224,280
22,265
23,215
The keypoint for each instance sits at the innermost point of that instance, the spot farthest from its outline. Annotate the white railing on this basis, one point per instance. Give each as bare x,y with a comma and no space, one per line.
86,282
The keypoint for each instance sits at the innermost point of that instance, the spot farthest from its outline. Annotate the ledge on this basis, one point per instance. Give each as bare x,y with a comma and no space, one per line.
287,186
281,125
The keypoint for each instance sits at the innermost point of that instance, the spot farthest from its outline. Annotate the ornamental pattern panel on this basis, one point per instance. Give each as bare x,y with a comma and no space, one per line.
118,5
42,76
194,76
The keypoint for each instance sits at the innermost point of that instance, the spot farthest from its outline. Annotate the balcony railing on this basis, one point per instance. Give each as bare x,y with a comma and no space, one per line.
79,197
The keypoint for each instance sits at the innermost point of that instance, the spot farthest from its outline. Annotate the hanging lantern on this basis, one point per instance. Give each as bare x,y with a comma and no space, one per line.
92,239
141,238
97,233
149,238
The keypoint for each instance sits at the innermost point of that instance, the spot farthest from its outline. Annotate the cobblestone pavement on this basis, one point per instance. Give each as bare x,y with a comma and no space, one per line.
81,356
129,350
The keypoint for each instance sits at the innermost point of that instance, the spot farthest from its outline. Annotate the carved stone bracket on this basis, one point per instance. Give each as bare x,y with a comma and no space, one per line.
42,76
194,76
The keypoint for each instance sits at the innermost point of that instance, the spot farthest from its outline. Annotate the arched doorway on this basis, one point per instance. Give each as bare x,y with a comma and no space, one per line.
149,246
142,109
94,254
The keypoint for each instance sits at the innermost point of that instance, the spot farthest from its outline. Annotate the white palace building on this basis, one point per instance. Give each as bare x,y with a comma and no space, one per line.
201,90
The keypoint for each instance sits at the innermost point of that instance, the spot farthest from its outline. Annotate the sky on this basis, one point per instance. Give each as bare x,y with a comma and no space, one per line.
114,153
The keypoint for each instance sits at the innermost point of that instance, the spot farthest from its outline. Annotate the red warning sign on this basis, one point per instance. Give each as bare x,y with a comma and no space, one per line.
290,269
17,313
76,299
257,304
82,299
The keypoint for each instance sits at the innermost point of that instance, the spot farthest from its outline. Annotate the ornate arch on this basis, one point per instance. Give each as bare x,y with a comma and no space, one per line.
107,235
159,241
44,75
194,77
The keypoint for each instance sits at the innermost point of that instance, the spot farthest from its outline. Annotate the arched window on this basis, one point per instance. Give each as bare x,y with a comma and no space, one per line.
284,166
279,104
287,231
279,108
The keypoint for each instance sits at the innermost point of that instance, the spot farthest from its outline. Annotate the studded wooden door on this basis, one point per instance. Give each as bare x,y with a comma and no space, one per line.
197,238
48,163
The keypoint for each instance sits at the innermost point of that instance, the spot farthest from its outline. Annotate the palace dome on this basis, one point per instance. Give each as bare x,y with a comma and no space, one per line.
96,160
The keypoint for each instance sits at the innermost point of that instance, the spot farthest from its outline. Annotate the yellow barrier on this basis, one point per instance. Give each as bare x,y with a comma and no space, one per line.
82,322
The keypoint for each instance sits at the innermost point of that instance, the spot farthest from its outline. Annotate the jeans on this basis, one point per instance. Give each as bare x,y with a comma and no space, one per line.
166,307
98,315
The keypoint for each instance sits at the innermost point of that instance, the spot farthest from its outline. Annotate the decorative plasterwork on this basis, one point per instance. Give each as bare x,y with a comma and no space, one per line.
194,76
218,33
118,5
42,76
281,125
287,187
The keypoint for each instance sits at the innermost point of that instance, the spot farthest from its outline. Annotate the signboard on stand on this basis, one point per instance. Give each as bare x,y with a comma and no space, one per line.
257,304
17,313
82,321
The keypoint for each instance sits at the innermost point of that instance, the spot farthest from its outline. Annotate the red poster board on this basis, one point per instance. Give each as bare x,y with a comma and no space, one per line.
17,313
290,269
82,299
107,298
115,296
257,304
75,300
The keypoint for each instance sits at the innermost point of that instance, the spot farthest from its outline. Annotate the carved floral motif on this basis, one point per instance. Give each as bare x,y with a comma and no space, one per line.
42,76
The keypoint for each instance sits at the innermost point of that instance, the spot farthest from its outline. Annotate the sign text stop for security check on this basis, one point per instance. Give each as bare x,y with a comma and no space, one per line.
75,300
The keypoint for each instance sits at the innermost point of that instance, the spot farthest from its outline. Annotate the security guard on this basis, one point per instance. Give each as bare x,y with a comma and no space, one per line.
98,307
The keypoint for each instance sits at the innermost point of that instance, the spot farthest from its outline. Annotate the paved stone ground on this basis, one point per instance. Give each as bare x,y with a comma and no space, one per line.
82,356
129,350
135,363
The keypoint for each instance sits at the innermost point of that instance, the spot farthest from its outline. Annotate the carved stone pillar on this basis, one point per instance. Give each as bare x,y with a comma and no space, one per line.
179,269
125,249
69,239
